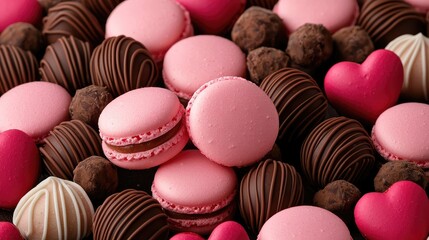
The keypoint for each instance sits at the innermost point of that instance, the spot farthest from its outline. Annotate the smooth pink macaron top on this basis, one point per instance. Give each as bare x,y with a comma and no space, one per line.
9,231
402,133
333,14
232,121
193,61
157,24
13,11
34,108
229,230
186,236
192,184
303,223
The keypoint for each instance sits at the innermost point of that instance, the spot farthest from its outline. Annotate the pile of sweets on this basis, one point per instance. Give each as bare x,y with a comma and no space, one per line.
214,119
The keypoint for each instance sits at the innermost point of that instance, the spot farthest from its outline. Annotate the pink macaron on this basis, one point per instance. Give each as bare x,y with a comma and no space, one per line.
9,231
157,24
193,61
196,193
229,230
28,11
143,128
232,121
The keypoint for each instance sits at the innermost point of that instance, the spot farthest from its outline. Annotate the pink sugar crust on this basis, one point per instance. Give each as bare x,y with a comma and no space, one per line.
303,223
157,24
213,16
152,157
401,212
420,5
186,236
13,11
232,121
35,108
402,133
333,14
192,184
229,230
193,61
9,231
20,166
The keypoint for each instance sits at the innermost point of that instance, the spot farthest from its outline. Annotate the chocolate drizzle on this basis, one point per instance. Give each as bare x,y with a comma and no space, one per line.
72,18
101,8
299,101
384,20
17,67
66,63
122,64
267,189
130,214
338,148
68,144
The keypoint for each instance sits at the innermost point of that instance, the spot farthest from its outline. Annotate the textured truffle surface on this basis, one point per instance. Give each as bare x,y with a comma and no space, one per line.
68,144
299,101
267,189
130,214
66,63
72,18
97,176
352,44
395,171
258,27
339,197
309,46
122,64
17,67
23,35
384,20
338,148
263,61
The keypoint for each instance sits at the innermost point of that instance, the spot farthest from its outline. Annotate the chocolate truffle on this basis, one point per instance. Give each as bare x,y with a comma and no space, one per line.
257,27
122,64
97,176
384,20
267,189
23,35
87,104
265,60
72,19
46,4
66,63
395,171
352,44
101,8
268,4
338,148
300,102
309,46
339,197
130,214
68,144
17,67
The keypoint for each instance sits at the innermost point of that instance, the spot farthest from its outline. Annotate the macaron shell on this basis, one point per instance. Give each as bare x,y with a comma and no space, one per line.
232,121
402,133
9,231
229,230
15,11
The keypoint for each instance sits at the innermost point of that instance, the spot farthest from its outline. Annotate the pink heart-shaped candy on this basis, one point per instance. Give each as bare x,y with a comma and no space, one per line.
401,212
364,91
229,230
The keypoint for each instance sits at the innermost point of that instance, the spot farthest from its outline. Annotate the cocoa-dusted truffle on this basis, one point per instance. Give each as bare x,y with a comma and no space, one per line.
267,189
300,102
17,67
258,27
265,60
68,144
384,20
395,171
88,102
23,35
268,4
122,64
72,19
130,214
339,197
97,176
338,148
309,46
101,8
66,63
352,44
